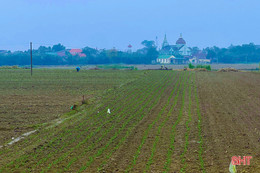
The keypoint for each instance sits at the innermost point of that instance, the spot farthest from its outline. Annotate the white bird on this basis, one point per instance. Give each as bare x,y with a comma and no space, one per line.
12,138
108,111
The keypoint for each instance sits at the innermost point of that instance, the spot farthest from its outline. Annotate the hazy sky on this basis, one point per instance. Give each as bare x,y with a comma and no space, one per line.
116,23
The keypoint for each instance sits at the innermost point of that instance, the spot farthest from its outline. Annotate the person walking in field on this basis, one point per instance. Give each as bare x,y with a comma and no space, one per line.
78,69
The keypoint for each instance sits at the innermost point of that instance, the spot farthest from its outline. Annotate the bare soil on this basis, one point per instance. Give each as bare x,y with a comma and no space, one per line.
164,121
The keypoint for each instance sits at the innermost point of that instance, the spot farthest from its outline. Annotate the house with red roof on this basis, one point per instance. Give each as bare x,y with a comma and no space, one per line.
77,52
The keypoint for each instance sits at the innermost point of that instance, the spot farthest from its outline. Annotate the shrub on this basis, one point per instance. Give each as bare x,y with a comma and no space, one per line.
191,66
208,67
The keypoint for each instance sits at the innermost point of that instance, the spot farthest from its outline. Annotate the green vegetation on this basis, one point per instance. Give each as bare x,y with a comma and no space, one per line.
173,131
59,55
130,167
191,66
199,131
208,67
38,100
159,120
158,135
183,159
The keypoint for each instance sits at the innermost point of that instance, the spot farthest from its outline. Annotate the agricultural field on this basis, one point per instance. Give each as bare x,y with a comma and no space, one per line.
160,121
26,102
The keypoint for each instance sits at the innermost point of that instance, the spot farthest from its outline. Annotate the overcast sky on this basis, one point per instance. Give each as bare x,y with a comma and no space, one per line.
117,23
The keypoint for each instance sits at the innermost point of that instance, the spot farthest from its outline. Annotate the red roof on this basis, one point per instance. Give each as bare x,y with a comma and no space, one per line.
75,51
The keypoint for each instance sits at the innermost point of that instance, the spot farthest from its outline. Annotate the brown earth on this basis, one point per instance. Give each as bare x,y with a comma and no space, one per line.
230,105
172,121
27,102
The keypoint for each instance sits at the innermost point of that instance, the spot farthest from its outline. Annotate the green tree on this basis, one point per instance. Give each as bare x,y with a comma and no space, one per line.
148,44
58,47
43,49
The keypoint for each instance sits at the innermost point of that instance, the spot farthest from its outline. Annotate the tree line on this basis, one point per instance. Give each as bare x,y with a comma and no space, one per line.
247,53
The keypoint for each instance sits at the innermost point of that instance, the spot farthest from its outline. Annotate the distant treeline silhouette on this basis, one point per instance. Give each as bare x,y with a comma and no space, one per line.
59,55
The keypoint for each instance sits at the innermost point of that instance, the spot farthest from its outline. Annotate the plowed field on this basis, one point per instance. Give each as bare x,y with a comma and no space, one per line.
163,121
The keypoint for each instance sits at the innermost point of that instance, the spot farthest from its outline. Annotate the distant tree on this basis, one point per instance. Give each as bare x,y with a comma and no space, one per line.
149,51
43,49
152,54
194,50
58,47
148,44
90,52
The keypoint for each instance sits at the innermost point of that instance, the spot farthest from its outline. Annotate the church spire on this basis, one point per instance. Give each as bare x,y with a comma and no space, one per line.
165,42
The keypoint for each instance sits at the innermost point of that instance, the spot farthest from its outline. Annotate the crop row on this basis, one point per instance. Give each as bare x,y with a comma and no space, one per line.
84,131
42,147
61,147
108,129
200,131
137,153
125,125
172,136
183,160
56,137
143,140
150,160
70,119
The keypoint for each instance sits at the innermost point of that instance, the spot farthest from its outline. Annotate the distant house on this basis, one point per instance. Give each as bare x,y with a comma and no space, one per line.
200,58
170,59
165,59
77,52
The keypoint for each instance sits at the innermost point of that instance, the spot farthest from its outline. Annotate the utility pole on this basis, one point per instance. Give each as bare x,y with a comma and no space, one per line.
31,57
